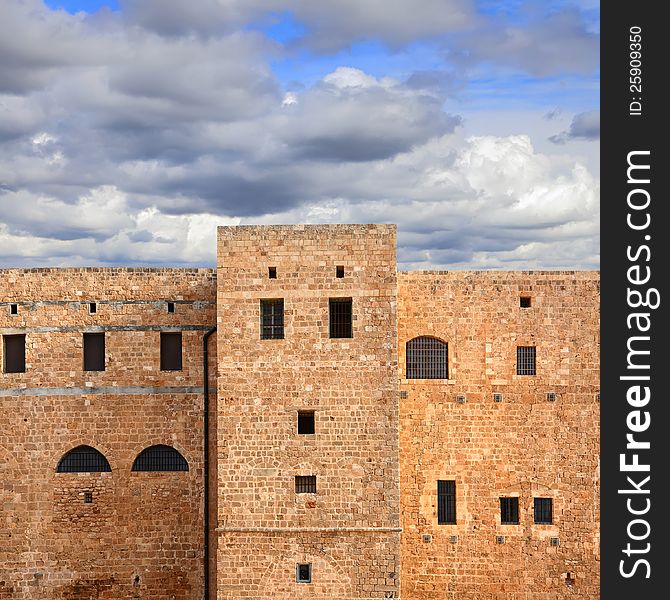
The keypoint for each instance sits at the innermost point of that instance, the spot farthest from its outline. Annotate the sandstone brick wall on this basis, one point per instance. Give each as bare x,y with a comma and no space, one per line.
142,536
525,446
349,529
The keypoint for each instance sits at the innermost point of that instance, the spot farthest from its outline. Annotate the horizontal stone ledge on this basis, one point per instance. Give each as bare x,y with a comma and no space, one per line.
87,391
102,328
308,529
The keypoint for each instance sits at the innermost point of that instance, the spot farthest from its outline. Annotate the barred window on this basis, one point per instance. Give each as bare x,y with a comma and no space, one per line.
14,353
446,502
426,358
272,319
525,360
305,484
509,511
160,458
544,511
340,317
83,459
94,352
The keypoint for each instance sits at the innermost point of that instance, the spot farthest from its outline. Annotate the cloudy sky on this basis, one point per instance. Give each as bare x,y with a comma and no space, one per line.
129,129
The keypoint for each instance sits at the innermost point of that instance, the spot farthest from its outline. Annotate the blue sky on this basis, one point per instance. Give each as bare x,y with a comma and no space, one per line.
129,128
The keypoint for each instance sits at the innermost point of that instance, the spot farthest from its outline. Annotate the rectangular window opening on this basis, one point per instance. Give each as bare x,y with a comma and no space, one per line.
92,308
339,271
525,360
303,573
171,350
94,352
88,497
524,301
446,502
306,422
272,319
272,272
509,511
170,307
543,509
13,309
14,353
340,317
305,484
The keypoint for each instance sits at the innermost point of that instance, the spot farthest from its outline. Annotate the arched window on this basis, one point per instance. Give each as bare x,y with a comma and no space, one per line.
83,459
427,358
160,458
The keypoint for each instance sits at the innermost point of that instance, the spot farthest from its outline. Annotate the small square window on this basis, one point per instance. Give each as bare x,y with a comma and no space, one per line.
305,484
272,319
340,317
272,272
303,573
14,353
306,421
88,497
525,360
509,511
13,309
94,352
170,307
92,308
544,511
339,271
524,301
171,349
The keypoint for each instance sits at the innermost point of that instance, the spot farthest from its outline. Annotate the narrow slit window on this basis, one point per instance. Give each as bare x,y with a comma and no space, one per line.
544,511
305,484
170,307
306,422
446,502
340,318
14,353
427,358
92,308
171,350
160,458
525,360
272,319
339,271
509,511
303,573
524,301
94,352
272,272
13,309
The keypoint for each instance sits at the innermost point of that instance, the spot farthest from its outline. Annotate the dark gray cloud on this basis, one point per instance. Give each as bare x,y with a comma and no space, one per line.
584,126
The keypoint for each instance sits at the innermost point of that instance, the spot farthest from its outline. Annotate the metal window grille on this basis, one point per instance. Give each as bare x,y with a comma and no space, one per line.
303,573
524,301
427,538
13,309
160,458
509,511
171,351
88,497
272,319
94,352
306,422
543,511
525,360
551,396
554,541
446,502
497,397
460,399
305,484
170,307
427,358
453,539
83,459
339,271
272,272
14,353
340,317
500,539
